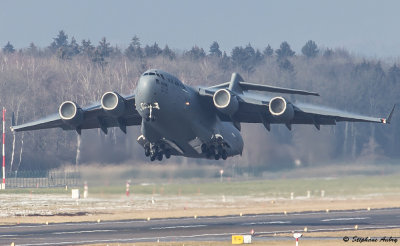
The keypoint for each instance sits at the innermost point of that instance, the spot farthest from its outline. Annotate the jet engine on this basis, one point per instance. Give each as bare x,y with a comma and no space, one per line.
113,103
225,102
71,113
281,109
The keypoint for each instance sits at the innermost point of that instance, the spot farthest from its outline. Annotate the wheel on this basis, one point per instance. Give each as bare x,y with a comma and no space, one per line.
216,157
224,155
167,154
160,156
147,151
152,158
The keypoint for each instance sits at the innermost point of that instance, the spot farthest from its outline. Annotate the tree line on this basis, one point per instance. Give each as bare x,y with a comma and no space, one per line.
35,80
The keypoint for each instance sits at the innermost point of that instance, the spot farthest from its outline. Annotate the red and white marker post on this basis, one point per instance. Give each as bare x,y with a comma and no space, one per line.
297,236
127,187
3,185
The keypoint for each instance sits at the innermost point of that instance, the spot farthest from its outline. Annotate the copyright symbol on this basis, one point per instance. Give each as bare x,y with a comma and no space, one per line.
346,239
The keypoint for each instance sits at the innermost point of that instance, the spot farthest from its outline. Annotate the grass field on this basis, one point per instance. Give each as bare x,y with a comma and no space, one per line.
346,186
200,198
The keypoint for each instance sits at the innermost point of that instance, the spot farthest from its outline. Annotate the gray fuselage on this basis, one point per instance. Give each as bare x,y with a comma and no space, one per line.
173,112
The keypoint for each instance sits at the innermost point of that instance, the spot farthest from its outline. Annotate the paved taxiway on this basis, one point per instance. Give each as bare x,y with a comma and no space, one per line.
199,229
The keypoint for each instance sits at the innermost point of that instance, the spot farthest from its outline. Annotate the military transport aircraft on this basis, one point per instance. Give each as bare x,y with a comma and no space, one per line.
201,122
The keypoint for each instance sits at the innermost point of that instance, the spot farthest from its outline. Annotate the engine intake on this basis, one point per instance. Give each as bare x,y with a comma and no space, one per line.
225,102
113,103
71,113
281,109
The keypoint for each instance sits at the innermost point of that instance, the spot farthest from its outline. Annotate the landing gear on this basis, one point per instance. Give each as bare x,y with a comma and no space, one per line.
160,156
156,152
167,154
147,151
224,155
215,151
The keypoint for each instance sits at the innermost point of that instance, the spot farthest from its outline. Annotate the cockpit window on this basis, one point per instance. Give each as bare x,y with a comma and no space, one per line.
145,74
152,74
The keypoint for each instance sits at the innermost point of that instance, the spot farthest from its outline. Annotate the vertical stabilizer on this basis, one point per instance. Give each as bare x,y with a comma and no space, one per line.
234,84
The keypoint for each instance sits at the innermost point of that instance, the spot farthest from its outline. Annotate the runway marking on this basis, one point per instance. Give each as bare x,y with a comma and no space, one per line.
333,229
345,219
176,227
204,218
79,232
150,239
268,222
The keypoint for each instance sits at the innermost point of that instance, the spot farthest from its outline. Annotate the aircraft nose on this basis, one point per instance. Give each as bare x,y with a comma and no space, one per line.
146,96
146,88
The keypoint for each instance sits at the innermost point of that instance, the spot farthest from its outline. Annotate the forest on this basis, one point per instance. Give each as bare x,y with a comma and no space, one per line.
35,80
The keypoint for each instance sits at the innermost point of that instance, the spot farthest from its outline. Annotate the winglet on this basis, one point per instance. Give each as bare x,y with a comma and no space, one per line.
12,122
13,119
389,118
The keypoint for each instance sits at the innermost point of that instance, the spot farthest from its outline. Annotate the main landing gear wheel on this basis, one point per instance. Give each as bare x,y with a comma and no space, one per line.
167,154
215,152
224,155
147,151
160,156
157,152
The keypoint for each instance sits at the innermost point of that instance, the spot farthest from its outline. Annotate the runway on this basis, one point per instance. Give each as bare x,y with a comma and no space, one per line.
196,229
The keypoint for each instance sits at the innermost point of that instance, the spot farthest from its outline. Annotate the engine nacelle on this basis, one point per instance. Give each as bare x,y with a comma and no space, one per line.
113,103
225,102
71,113
281,109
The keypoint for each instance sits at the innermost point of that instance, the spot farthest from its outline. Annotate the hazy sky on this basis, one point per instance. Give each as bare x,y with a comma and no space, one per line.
369,28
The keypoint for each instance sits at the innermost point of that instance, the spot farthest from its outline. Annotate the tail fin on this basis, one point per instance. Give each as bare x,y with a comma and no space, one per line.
234,84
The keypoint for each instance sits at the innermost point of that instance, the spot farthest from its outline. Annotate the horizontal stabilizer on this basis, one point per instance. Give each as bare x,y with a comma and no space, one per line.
237,85
257,87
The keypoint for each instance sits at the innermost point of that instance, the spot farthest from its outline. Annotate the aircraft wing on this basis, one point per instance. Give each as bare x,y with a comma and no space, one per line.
255,108
94,116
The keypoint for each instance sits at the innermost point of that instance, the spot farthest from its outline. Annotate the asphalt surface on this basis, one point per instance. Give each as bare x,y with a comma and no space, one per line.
196,229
